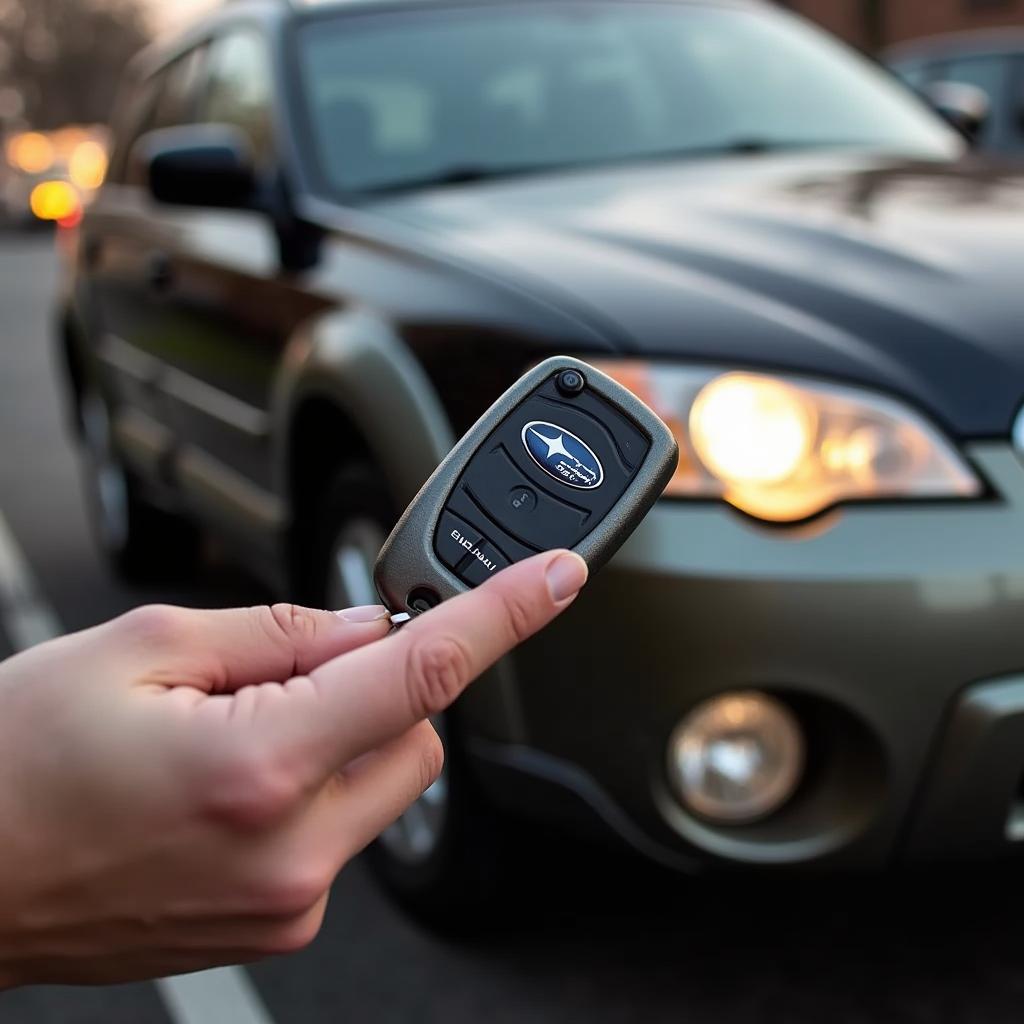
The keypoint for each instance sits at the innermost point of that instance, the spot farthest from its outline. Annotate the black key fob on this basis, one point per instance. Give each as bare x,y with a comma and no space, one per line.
566,458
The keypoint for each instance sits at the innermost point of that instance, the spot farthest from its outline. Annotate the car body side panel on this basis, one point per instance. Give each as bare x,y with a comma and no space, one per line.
357,361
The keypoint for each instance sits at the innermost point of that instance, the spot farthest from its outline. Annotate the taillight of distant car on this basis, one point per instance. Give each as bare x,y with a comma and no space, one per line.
87,166
57,201
30,153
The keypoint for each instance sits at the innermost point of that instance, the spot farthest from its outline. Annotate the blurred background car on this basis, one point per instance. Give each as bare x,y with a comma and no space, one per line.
977,77
333,233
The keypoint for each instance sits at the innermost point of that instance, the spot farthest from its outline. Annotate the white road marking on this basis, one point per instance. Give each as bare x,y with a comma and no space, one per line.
225,995
27,618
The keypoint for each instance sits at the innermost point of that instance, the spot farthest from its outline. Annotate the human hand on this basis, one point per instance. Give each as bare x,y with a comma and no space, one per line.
165,808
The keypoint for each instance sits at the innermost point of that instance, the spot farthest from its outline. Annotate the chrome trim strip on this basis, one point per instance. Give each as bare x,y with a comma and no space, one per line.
152,372
141,439
144,369
217,404
216,485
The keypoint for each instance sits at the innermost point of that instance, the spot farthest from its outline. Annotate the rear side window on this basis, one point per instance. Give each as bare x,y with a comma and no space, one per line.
240,88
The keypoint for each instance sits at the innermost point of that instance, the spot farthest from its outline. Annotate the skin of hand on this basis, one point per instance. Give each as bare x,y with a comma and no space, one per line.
180,788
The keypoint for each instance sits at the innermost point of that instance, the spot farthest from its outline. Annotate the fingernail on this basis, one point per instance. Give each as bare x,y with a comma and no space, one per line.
565,576
364,613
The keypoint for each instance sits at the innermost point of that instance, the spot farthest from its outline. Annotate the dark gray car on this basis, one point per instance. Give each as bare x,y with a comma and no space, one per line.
335,232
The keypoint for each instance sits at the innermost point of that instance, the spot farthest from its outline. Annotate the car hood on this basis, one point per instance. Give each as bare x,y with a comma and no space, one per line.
903,276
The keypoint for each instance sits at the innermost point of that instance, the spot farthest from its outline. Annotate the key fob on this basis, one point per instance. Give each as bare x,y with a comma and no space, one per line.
566,458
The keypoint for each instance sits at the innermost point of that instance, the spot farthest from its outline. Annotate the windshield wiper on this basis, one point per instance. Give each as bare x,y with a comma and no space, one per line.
465,174
752,144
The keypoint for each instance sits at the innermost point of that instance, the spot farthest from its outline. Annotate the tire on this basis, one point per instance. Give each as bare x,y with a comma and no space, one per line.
141,542
444,861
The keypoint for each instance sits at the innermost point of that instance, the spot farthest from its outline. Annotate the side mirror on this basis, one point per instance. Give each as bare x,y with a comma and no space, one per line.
196,165
966,107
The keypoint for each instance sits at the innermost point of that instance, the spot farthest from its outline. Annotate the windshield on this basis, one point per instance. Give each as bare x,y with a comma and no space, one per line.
452,94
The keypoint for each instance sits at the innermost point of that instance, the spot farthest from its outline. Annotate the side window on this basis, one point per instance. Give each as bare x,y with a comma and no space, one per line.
131,119
176,103
239,88
991,75
164,100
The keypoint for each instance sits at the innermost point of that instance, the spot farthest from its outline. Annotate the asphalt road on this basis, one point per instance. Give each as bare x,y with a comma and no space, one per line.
608,941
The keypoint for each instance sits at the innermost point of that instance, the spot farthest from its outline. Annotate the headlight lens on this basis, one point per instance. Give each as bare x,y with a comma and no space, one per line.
783,449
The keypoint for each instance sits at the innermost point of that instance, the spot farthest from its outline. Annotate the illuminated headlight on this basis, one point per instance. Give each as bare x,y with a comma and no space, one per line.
782,448
736,758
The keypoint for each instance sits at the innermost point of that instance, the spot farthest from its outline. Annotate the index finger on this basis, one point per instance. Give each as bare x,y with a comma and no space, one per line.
369,696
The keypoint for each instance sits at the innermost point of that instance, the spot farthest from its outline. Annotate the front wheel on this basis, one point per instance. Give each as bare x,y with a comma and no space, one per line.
443,860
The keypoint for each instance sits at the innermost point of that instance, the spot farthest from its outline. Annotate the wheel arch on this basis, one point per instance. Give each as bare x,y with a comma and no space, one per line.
352,390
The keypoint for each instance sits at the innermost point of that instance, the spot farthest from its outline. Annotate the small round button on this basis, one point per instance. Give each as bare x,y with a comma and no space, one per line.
570,382
422,599
522,499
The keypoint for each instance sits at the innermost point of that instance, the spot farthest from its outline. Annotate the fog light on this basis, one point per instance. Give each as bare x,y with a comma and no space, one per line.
737,757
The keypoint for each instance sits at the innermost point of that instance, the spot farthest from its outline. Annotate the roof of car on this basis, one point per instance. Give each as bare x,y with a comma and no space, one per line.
988,40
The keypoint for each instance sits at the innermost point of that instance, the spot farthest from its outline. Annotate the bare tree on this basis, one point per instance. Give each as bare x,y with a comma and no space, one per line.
65,57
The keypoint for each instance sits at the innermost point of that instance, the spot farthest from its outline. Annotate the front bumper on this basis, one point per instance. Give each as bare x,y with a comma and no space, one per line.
882,626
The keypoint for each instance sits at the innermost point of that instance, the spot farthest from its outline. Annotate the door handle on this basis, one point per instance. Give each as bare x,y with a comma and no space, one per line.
160,274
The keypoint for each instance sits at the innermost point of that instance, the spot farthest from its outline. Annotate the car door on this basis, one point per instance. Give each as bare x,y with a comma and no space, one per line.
227,310
123,239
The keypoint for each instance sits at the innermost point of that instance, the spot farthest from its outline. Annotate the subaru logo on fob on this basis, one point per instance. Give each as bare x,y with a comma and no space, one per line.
563,455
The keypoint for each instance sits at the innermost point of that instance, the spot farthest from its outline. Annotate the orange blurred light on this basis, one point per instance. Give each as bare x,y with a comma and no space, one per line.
30,152
88,165
54,200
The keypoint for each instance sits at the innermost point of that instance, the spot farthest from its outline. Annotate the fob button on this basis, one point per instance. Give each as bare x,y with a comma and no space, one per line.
570,382
455,539
551,524
422,599
483,564
522,499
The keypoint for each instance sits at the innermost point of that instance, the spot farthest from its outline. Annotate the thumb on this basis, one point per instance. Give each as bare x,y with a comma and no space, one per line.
367,697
